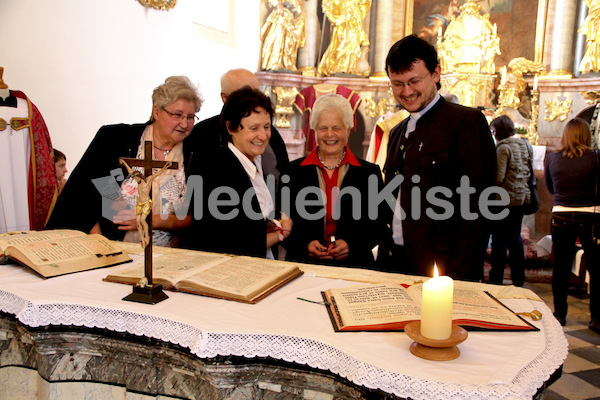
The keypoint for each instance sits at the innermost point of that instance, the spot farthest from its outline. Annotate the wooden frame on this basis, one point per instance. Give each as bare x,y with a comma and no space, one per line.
513,26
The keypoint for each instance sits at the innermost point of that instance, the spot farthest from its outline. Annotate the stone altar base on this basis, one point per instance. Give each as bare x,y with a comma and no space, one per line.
64,363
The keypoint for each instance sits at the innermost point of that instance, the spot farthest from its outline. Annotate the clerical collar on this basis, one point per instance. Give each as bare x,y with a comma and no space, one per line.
428,106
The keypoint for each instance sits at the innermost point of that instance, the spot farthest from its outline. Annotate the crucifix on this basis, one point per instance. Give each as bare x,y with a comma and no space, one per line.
146,291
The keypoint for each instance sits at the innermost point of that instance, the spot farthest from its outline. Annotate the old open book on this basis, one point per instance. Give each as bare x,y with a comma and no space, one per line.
61,251
387,307
239,278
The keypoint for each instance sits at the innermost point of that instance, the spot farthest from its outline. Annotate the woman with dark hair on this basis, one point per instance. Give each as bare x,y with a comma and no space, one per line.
238,210
572,174
512,175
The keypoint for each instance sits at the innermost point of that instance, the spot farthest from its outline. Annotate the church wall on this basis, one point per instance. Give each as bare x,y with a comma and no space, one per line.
85,64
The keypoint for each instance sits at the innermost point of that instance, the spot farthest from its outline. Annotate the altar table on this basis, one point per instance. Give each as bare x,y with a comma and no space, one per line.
75,328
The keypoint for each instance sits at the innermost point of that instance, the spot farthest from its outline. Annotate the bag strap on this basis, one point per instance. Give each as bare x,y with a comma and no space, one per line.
530,152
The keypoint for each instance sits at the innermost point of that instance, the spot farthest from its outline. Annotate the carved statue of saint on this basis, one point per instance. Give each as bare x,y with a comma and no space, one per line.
282,34
143,207
349,41
591,29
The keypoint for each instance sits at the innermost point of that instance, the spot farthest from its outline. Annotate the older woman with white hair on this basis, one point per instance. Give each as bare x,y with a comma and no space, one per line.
326,194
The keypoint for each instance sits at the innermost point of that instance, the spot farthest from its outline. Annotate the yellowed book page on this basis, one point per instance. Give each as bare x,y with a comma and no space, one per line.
22,237
72,249
242,277
476,305
171,267
377,304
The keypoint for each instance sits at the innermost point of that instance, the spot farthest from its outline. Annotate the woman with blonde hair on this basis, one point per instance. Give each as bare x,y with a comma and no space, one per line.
100,197
572,175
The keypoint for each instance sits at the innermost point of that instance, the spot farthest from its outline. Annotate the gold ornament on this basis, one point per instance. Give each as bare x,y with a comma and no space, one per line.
164,5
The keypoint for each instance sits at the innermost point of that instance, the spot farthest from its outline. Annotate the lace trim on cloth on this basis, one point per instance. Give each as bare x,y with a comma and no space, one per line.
295,349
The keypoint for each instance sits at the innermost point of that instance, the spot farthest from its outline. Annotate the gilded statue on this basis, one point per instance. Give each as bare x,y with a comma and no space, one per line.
591,29
282,34
470,42
349,41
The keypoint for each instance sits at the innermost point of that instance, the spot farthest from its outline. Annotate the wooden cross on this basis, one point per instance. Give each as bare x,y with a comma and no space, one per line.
148,163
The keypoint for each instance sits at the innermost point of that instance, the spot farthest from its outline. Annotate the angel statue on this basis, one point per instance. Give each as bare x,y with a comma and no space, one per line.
282,34
349,41
591,29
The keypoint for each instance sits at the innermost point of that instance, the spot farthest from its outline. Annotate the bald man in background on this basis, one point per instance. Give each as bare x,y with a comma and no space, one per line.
209,134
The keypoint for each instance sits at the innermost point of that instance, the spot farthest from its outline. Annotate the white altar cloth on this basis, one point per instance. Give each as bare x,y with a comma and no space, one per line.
492,365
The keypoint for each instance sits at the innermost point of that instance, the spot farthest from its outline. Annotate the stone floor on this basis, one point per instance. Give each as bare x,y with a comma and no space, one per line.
580,379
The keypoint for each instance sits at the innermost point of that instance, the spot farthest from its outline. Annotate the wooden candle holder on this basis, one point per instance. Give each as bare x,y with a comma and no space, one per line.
432,349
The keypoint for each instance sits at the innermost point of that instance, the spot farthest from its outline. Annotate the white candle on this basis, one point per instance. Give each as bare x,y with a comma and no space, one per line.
503,80
436,307
535,82
495,30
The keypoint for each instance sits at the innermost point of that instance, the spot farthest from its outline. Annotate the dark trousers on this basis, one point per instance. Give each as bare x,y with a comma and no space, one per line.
506,236
566,228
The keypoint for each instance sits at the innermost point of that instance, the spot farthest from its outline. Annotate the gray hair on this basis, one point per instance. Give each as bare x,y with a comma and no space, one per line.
175,88
332,102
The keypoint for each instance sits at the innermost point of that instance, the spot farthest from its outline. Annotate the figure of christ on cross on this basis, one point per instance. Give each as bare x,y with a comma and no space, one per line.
144,181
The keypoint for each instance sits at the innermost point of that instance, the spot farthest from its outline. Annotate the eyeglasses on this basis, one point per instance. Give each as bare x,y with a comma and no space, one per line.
192,118
414,82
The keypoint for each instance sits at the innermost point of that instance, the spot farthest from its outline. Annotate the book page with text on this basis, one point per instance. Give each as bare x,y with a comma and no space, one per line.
377,304
475,305
246,276
59,251
16,238
172,267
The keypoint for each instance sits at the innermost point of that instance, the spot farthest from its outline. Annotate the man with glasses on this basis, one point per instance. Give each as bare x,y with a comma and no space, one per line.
445,157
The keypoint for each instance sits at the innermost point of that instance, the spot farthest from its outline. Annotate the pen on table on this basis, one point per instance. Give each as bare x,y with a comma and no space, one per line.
323,303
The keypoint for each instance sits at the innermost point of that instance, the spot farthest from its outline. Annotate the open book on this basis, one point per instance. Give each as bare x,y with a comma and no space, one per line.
387,307
239,278
61,251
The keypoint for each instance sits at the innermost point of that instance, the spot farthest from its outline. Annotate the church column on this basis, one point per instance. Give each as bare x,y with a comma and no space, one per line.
307,55
565,15
580,39
383,34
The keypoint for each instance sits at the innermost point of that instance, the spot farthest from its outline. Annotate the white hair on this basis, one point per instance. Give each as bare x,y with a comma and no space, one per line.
332,102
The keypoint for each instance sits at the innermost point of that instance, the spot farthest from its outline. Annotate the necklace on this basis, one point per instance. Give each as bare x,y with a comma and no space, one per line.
327,166
165,152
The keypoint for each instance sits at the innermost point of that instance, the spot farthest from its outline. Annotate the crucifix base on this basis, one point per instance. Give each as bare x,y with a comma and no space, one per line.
149,294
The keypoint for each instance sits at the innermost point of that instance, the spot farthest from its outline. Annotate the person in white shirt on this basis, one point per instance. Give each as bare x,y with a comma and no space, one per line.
238,207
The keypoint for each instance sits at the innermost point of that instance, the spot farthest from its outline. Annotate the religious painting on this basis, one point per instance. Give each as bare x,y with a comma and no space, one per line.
520,30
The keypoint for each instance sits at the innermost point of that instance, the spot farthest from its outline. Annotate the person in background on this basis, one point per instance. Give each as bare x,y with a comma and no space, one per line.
60,165
512,175
338,236
238,214
440,146
572,175
209,135
86,207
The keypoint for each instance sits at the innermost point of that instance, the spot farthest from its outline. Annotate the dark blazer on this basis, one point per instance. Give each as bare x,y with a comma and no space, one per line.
449,142
361,234
81,204
238,233
209,134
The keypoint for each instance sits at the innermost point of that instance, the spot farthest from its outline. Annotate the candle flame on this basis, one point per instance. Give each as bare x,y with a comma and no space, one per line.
436,273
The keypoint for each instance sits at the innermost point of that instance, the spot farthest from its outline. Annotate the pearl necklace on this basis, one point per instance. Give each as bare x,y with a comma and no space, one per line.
327,166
